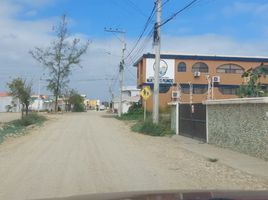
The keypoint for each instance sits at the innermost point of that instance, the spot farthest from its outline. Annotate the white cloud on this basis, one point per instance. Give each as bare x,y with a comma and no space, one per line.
213,44
33,3
31,13
17,37
239,7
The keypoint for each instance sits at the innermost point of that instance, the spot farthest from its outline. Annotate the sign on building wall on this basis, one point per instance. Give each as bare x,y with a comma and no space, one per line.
166,71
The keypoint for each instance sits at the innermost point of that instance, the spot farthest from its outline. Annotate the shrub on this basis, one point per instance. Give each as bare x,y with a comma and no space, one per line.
30,119
149,128
17,127
135,112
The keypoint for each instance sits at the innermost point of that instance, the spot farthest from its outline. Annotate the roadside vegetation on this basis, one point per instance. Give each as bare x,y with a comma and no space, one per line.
147,127
252,86
77,102
20,89
18,127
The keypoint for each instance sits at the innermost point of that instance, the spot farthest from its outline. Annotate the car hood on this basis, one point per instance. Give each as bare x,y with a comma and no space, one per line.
173,195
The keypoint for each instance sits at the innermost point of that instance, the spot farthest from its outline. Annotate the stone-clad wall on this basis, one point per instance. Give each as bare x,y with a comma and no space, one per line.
240,126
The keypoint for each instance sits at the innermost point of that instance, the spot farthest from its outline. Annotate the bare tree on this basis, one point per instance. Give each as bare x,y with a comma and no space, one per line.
59,58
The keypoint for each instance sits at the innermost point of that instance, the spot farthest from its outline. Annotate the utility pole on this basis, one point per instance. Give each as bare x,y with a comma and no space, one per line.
121,65
39,99
157,43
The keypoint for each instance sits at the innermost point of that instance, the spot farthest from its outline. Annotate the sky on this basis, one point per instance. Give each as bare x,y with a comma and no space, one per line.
218,27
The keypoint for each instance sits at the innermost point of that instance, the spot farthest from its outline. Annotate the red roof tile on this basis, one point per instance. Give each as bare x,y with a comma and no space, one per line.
4,94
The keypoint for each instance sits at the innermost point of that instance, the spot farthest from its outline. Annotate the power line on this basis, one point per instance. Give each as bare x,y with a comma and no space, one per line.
136,7
143,31
143,45
178,12
164,3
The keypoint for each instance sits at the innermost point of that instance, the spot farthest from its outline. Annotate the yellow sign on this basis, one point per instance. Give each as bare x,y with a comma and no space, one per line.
146,93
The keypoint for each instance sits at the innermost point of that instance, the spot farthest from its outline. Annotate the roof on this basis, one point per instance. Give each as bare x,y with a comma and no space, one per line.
127,99
205,57
4,94
130,88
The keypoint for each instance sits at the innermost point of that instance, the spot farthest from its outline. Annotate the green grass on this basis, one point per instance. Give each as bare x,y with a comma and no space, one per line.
17,127
149,128
136,113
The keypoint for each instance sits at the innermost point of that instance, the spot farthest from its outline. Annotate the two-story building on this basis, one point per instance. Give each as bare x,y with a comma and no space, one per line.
197,77
130,95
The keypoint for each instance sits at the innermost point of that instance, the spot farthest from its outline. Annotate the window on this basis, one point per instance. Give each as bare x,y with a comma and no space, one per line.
200,67
185,89
228,90
197,89
200,89
164,88
181,67
230,69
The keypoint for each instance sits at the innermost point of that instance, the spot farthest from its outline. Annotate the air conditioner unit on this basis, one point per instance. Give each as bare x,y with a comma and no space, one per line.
197,74
216,79
175,94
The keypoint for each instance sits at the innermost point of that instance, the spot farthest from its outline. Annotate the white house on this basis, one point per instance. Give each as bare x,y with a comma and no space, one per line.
42,103
9,103
130,95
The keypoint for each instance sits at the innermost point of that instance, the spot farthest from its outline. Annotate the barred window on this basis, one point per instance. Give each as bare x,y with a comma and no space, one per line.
200,67
181,67
230,69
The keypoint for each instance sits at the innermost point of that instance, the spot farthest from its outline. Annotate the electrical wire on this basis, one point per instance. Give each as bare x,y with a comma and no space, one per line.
148,21
178,12
136,7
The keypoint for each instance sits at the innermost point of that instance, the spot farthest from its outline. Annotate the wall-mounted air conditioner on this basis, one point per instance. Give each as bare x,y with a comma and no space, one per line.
175,94
197,74
216,79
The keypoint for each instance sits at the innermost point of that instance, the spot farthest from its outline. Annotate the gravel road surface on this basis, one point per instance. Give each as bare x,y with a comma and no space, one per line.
93,153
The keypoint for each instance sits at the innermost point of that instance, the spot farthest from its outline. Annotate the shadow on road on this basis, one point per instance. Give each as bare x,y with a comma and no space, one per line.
108,115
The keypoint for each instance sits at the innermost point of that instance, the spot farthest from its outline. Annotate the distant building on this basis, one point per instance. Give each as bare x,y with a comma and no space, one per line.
41,103
92,104
190,74
9,103
130,95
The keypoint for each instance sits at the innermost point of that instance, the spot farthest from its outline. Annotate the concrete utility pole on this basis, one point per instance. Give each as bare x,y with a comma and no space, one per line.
157,43
121,65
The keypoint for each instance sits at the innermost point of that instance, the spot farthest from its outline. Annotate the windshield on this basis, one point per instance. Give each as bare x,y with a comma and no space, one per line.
110,96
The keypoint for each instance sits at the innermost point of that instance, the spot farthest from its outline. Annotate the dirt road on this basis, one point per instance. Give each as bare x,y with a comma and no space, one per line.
6,117
88,153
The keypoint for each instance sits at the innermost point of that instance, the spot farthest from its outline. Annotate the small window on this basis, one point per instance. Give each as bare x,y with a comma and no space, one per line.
228,90
200,67
185,89
164,88
230,69
181,67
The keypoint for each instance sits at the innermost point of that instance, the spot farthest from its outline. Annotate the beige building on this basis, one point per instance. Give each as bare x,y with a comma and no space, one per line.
191,74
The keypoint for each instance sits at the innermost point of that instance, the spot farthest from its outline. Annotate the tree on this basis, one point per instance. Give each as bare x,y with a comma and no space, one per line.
253,87
18,88
59,58
76,101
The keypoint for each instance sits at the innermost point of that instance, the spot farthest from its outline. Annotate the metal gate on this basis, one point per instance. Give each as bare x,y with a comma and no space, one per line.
192,121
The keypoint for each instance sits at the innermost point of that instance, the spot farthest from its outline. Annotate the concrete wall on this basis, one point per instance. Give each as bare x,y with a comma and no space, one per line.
173,117
240,124
7,100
